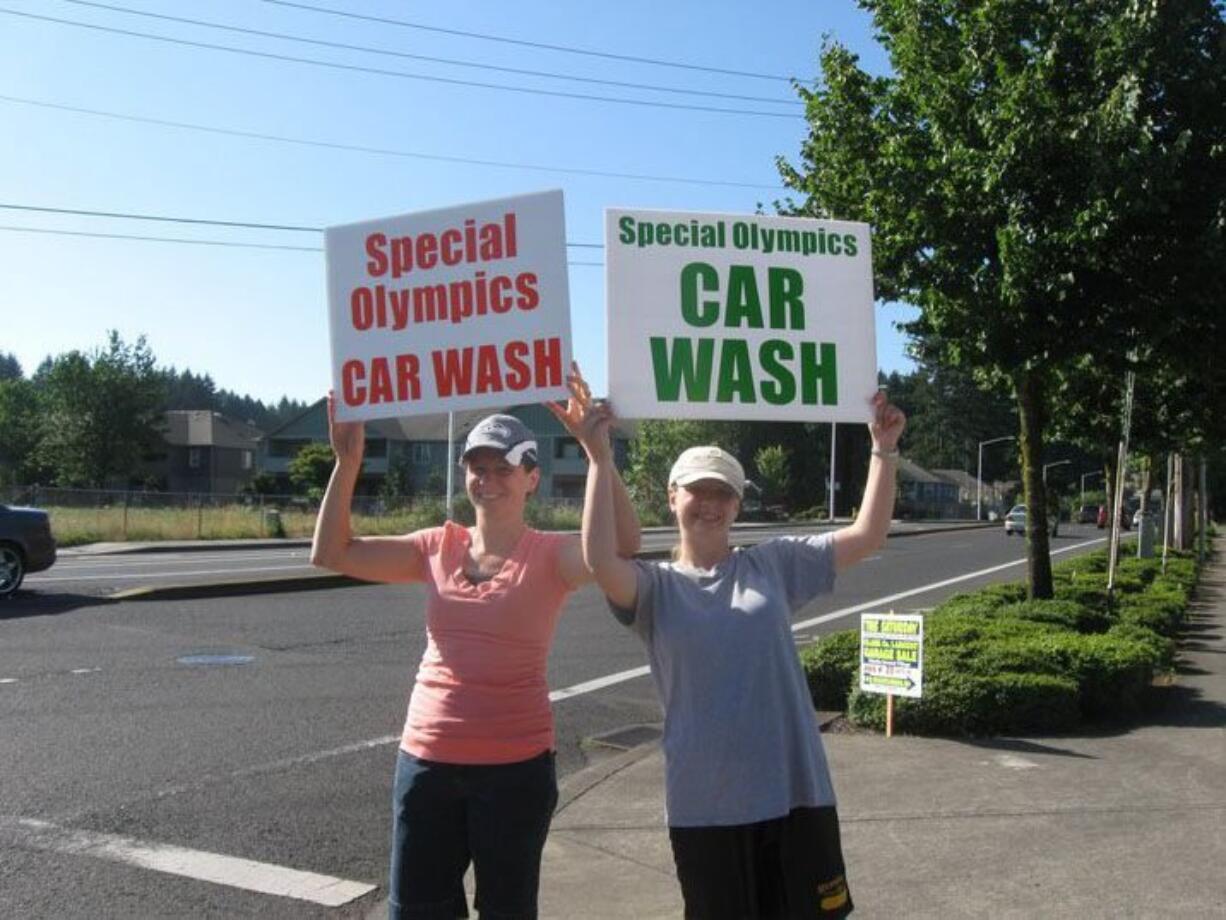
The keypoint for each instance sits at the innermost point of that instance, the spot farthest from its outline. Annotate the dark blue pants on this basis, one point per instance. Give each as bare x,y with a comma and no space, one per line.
445,816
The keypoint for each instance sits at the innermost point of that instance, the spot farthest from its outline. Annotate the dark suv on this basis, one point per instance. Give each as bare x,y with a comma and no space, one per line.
26,545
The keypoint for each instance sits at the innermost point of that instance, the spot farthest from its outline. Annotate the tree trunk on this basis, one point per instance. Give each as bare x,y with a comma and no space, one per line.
1032,413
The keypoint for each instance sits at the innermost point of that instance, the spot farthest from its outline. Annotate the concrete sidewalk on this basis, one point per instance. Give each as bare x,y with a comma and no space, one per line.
1123,823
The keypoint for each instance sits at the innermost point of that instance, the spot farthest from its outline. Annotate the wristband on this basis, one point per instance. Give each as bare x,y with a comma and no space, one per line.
885,454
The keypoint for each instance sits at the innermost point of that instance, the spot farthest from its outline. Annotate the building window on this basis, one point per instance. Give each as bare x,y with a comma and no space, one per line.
567,449
376,447
421,453
193,458
248,459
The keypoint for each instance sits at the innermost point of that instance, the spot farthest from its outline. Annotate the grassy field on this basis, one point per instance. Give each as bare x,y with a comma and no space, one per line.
115,524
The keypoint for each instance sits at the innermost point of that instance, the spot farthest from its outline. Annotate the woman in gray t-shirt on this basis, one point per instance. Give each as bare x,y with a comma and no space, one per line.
751,809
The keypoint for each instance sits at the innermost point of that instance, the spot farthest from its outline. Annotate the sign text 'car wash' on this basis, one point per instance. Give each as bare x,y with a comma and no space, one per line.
720,316
451,309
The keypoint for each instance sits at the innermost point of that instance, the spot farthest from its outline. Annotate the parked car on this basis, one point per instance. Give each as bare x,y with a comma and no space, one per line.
1087,514
1015,522
1104,517
26,545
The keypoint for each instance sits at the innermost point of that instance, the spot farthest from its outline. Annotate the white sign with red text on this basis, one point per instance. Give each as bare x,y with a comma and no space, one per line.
461,308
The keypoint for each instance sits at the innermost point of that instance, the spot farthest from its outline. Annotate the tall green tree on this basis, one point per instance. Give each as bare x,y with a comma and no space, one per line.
775,470
1011,167
101,413
10,367
19,432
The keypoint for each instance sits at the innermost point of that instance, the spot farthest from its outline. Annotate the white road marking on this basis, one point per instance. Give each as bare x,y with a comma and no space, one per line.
1013,762
85,670
886,601
147,575
246,874
8,680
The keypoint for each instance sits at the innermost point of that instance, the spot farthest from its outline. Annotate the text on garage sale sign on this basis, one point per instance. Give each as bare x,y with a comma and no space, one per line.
461,308
892,654
739,317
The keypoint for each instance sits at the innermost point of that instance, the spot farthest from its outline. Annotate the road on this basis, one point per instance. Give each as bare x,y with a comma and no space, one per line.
121,747
88,573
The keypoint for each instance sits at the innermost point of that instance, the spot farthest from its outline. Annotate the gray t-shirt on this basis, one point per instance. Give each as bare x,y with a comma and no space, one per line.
741,741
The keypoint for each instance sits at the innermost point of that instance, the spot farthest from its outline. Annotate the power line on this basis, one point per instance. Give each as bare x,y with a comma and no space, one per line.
382,151
127,215
429,58
158,217
159,239
530,44
174,239
401,74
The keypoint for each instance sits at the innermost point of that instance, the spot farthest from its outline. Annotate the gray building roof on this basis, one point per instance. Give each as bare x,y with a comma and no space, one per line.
204,428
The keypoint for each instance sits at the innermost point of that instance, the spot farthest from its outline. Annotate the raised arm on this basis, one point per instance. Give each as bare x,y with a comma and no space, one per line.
392,559
573,416
872,524
614,573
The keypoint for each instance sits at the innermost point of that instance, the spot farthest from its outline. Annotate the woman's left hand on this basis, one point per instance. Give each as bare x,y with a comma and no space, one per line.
887,424
585,419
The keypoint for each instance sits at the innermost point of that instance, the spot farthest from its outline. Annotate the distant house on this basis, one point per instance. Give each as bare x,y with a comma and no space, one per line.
990,493
206,452
418,446
922,494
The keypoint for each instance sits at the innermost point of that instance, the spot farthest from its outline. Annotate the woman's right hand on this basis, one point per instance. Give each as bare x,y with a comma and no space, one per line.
348,439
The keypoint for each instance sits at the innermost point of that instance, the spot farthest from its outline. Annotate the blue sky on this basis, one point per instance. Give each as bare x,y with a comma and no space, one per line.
256,318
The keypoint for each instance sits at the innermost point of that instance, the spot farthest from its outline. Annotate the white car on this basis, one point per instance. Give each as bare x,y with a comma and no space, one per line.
1015,522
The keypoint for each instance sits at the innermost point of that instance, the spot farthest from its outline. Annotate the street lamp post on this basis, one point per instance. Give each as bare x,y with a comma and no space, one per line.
979,477
1084,477
1047,466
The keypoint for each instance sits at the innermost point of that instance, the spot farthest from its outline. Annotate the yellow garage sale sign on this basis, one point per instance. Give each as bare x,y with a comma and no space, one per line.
739,316
892,654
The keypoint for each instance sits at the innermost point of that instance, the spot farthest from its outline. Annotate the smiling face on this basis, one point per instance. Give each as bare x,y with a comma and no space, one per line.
496,486
705,508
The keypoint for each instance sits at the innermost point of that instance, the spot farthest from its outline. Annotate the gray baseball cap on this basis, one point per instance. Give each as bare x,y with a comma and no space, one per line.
503,433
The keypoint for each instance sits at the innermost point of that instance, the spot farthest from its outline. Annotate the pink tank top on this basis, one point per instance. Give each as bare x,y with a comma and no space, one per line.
481,695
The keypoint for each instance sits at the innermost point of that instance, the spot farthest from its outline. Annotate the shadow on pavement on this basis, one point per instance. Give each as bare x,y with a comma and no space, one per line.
1020,746
47,603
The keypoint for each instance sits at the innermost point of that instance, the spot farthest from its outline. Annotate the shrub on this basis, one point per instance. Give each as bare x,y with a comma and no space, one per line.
1159,611
831,664
958,702
985,599
1161,649
1069,614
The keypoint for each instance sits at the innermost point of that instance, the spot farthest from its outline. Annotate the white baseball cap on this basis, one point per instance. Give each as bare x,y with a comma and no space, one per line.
698,463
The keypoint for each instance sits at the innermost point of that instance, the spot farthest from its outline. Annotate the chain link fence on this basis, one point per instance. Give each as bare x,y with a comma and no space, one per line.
103,515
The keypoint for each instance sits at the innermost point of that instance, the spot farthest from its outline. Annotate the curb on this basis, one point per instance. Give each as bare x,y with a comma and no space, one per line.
321,582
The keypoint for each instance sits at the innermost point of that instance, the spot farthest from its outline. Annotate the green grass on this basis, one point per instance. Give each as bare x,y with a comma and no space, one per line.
77,526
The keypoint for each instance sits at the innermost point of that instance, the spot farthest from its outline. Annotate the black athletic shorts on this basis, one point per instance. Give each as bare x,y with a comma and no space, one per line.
789,867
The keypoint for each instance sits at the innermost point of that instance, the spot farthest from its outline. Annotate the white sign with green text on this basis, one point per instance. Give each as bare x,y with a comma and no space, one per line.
739,317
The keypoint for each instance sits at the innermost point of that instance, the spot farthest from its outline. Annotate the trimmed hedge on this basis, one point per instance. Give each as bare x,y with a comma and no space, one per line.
957,702
995,662
831,664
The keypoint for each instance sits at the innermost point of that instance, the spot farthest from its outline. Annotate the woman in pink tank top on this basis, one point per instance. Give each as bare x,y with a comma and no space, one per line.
475,777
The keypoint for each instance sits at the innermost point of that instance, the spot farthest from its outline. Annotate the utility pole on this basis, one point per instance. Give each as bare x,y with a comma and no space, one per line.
450,460
833,432
1118,504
